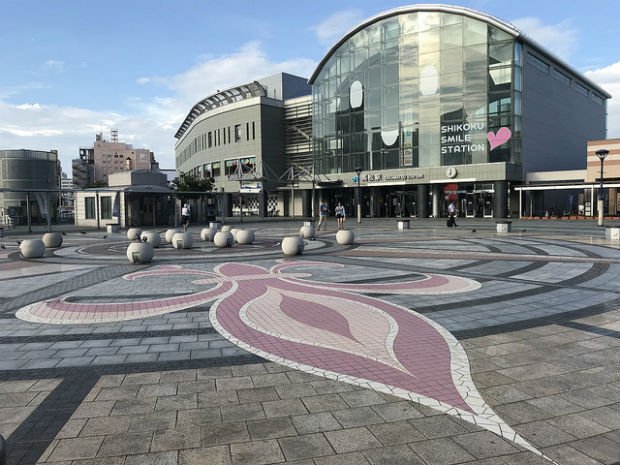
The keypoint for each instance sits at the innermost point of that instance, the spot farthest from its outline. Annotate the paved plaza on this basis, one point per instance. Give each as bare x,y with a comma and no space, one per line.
430,346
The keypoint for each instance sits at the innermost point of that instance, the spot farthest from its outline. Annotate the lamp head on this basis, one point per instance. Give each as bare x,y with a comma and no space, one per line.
602,153
358,170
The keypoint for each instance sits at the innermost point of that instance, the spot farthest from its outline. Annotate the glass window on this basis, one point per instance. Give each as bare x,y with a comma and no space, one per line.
237,132
409,23
390,74
596,98
89,207
216,169
106,208
452,36
230,167
500,53
560,76
474,32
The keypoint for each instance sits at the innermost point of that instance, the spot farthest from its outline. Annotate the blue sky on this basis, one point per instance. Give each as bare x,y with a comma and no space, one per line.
73,68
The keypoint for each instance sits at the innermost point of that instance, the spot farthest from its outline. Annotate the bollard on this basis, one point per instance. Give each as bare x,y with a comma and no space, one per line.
2,450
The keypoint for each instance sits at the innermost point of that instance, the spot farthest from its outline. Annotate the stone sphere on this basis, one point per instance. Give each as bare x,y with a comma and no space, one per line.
133,234
226,228
307,232
205,234
52,239
152,237
32,248
223,239
345,237
245,236
182,240
170,233
292,245
234,232
140,252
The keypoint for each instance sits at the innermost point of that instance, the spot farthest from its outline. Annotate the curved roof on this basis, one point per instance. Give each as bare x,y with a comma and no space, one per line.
220,98
498,23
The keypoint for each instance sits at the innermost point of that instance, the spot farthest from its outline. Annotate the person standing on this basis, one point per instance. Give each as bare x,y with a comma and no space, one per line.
186,213
323,212
340,215
452,215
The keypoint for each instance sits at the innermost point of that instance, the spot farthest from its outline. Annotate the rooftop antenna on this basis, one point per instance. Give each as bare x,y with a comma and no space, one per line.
114,134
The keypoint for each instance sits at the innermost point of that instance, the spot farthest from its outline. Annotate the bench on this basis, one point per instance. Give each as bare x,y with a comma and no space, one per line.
113,227
612,233
403,224
503,226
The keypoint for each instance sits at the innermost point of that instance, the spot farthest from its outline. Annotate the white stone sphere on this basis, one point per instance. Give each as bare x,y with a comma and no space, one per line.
245,236
226,228
292,245
345,237
182,240
223,239
32,248
307,232
234,232
152,237
140,252
52,239
205,234
170,233
133,234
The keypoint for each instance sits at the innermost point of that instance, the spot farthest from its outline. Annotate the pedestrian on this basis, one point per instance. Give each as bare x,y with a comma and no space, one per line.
452,215
186,214
340,215
323,212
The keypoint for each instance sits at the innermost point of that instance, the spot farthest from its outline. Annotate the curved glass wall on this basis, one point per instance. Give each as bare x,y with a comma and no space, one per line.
417,90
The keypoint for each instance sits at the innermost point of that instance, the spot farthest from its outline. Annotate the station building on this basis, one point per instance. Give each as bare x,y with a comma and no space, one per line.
415,107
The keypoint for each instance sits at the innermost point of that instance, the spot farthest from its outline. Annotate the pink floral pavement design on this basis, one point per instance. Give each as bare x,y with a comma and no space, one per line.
328,329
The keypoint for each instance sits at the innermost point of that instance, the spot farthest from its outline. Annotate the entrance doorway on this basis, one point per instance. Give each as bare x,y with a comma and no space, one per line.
478,201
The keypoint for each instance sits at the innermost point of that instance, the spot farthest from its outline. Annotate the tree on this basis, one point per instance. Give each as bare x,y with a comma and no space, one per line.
189,183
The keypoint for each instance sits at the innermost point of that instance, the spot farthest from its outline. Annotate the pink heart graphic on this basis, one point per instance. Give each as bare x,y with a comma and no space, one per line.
503,134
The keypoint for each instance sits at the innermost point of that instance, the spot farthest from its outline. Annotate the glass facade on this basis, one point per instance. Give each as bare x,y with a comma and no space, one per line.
419,89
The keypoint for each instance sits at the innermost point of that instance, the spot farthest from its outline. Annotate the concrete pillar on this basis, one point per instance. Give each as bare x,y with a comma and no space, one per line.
436,200
306,203
422,201
262,204
227,202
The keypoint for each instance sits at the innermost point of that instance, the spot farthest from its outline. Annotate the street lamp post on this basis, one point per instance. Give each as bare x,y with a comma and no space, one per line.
358,171
601,154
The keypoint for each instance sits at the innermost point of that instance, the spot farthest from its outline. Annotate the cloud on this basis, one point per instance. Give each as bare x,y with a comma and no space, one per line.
148,122
337,25
561,39
54,66
609,79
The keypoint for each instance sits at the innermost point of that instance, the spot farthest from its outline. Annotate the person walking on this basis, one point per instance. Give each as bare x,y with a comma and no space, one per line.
452,215
340,215
186,214
323,212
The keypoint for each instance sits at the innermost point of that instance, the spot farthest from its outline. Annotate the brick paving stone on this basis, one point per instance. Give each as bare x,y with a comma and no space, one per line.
566,455
227,433
152,421
315,423
305,446
177,402
158,390
442,451
101,426
353,417
77,448
243,412
217,455
125,444
396,411
362,398
286,407
438,426
394,455
134,406
354,458
175,439
271,428
324,403
256,453
351,440
484,444
158,458
394,433
259,394
94,409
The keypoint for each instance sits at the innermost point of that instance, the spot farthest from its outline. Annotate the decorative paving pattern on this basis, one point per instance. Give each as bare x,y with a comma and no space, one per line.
537,314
